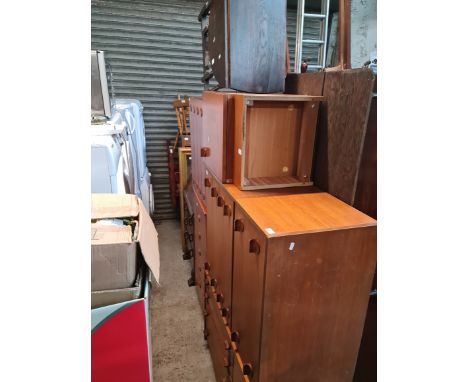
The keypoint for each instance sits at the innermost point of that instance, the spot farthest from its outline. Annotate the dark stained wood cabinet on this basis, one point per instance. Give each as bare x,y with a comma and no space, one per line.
246,44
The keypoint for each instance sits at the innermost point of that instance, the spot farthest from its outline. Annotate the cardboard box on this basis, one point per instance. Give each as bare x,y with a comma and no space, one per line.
113,257
114,248
102,298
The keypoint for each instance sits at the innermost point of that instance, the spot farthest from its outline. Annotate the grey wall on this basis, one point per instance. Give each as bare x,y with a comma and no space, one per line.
363,31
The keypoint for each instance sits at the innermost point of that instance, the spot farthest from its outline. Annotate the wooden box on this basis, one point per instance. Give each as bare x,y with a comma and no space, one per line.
246,44
274,139
302,271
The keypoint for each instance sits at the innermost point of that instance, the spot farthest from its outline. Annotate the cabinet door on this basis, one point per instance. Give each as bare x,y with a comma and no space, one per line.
200,249
220,217
219,355
248,272
196,128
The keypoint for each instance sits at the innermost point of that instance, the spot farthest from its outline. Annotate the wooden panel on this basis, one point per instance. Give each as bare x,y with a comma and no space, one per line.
248,291
218,41
316,294
341,131
294,213
257,51
220,217
366,365
196,128
218,134
184,175
200,248
274,140
305,83
237,374
366,191
216,345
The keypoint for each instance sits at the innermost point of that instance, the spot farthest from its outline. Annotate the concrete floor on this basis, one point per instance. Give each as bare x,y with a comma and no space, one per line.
179,350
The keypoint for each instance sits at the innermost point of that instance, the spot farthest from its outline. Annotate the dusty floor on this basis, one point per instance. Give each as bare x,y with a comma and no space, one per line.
179,350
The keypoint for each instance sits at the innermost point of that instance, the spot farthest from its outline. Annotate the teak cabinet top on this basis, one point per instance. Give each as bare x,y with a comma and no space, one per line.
280,215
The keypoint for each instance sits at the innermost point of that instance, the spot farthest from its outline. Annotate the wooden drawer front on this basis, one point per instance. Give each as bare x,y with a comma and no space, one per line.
196,128
217,137
237,370
219,230
200,249
220,348
248,273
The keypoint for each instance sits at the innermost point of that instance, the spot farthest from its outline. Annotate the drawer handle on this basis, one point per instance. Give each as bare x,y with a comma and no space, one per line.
254,247
235,337
227,210
220,201
220,298
224,312
214,192
238,225
207,182
205,152
247,369
214,282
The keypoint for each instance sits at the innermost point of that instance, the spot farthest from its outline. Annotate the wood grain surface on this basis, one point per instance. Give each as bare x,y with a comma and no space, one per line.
218,41
305,83
274,140
315,304
196,128
218,133
312,212
366,191
341,131
257,32
248,292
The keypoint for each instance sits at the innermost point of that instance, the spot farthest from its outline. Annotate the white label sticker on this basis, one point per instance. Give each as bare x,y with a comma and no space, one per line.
269,231
185,139
291,245
239,151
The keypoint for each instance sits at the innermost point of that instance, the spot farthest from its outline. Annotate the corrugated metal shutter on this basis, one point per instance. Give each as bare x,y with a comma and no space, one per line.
154,51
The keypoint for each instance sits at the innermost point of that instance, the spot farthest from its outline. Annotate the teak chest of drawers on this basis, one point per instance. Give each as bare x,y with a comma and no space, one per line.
286,283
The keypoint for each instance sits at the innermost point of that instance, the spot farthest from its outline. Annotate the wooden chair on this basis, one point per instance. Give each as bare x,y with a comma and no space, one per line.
181,107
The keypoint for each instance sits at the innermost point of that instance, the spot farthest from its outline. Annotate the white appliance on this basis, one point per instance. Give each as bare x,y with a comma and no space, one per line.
108,168
130,113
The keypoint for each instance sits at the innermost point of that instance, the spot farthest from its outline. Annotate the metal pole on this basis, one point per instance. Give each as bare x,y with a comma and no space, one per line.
325,34
299,33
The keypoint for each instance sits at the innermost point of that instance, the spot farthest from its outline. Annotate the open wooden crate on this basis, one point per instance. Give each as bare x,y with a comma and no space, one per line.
274,138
